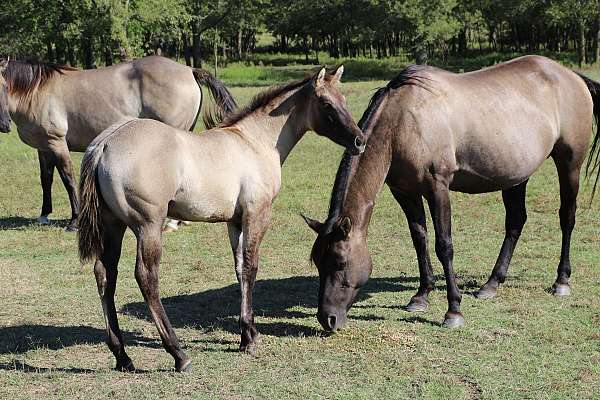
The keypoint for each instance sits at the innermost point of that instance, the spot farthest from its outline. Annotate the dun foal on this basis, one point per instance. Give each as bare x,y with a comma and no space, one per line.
432,131
140,171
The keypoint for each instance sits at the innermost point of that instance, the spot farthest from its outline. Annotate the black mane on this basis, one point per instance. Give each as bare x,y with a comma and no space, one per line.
411,75
23,77
261,100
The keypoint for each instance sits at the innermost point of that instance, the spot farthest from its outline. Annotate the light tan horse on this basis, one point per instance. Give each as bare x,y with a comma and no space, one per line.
4,114
57,109
140,171
431,131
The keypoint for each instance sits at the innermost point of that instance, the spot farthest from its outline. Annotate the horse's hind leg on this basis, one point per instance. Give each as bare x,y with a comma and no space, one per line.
105,270
149,250
516,215
568,178
412,205
46,177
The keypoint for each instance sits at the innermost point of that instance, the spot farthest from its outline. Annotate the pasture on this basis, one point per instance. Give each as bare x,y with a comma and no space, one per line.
523,344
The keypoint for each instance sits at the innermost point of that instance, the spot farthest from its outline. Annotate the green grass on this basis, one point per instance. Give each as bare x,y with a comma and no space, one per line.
524,344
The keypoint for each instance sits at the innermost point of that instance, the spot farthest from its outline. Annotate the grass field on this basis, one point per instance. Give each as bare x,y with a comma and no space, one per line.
524,344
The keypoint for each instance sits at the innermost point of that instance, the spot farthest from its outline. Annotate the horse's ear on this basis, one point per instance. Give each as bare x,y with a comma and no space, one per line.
4,63
320,78
313,223
337,75
345,226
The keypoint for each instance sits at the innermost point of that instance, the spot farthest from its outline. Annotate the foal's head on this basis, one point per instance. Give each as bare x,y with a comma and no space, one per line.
4,116
344,263
327,112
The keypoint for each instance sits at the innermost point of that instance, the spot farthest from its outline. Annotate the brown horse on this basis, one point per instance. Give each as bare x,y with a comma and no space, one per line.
4,114
58,109
140,171
432,131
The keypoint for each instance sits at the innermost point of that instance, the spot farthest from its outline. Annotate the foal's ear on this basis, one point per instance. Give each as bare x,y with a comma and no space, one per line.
337,75
345,226
320,78
313,223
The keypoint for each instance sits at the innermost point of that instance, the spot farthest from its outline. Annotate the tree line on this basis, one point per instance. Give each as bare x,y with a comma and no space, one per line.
87,33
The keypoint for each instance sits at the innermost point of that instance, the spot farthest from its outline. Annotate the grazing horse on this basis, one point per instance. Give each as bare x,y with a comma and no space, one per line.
140,171
58,109
431,131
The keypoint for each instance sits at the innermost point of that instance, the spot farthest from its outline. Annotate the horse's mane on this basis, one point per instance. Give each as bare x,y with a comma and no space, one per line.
262,99
23,77
411,75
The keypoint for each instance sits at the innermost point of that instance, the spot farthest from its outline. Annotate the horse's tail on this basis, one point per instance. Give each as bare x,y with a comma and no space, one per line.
593,161
223,98
90,233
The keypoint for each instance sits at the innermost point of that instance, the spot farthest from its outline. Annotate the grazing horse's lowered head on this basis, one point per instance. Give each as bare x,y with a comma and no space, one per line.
4,115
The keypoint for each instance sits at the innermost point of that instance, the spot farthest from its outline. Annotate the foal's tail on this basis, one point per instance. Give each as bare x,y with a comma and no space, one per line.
90,233
223,98
593,161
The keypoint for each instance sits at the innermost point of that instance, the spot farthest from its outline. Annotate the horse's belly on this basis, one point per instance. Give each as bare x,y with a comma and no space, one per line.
471,182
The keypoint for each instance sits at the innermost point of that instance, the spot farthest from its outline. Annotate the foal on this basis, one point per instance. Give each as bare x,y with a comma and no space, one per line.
140,171
432,131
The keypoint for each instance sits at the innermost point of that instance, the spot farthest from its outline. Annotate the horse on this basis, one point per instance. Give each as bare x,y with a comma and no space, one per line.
58,109
5,120
228,174
431,131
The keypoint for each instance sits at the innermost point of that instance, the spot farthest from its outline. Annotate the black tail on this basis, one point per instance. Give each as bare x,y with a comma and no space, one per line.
223,99
593,161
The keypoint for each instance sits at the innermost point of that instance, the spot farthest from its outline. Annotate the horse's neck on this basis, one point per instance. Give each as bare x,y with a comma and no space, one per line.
367,177
279,132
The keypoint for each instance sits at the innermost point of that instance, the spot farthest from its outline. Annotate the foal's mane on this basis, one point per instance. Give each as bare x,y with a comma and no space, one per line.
262,99
23,77
410,76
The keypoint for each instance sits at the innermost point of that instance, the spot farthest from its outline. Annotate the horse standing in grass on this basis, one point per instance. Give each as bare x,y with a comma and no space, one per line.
58,109
431,131
140,171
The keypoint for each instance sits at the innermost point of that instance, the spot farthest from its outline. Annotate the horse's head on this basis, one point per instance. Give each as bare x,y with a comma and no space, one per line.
344,263
4,115
328,113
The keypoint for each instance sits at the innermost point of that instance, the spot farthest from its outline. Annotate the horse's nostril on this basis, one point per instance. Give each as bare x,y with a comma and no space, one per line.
331,321
358,142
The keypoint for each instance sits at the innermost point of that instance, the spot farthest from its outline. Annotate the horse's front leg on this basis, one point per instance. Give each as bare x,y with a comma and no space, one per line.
254,225
64,165
412,205
439,205
47,161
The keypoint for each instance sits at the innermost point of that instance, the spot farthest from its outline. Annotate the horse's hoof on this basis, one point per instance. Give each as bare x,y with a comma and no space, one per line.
185,367
125,367
169,229
250,348
417,304
72,228
561,290
486,293
43,220
453,320
185,223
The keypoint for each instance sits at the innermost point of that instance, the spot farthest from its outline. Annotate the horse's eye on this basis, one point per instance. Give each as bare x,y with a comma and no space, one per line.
342,265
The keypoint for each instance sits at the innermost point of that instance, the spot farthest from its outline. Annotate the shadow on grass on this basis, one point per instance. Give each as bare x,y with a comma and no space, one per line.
20,223
23,338
273,298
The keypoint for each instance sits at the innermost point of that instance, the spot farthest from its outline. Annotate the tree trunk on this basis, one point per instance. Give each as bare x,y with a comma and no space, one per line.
581,41
196,45
187,53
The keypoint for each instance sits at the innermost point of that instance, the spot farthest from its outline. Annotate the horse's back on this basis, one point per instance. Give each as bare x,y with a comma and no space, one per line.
151,87
494,127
